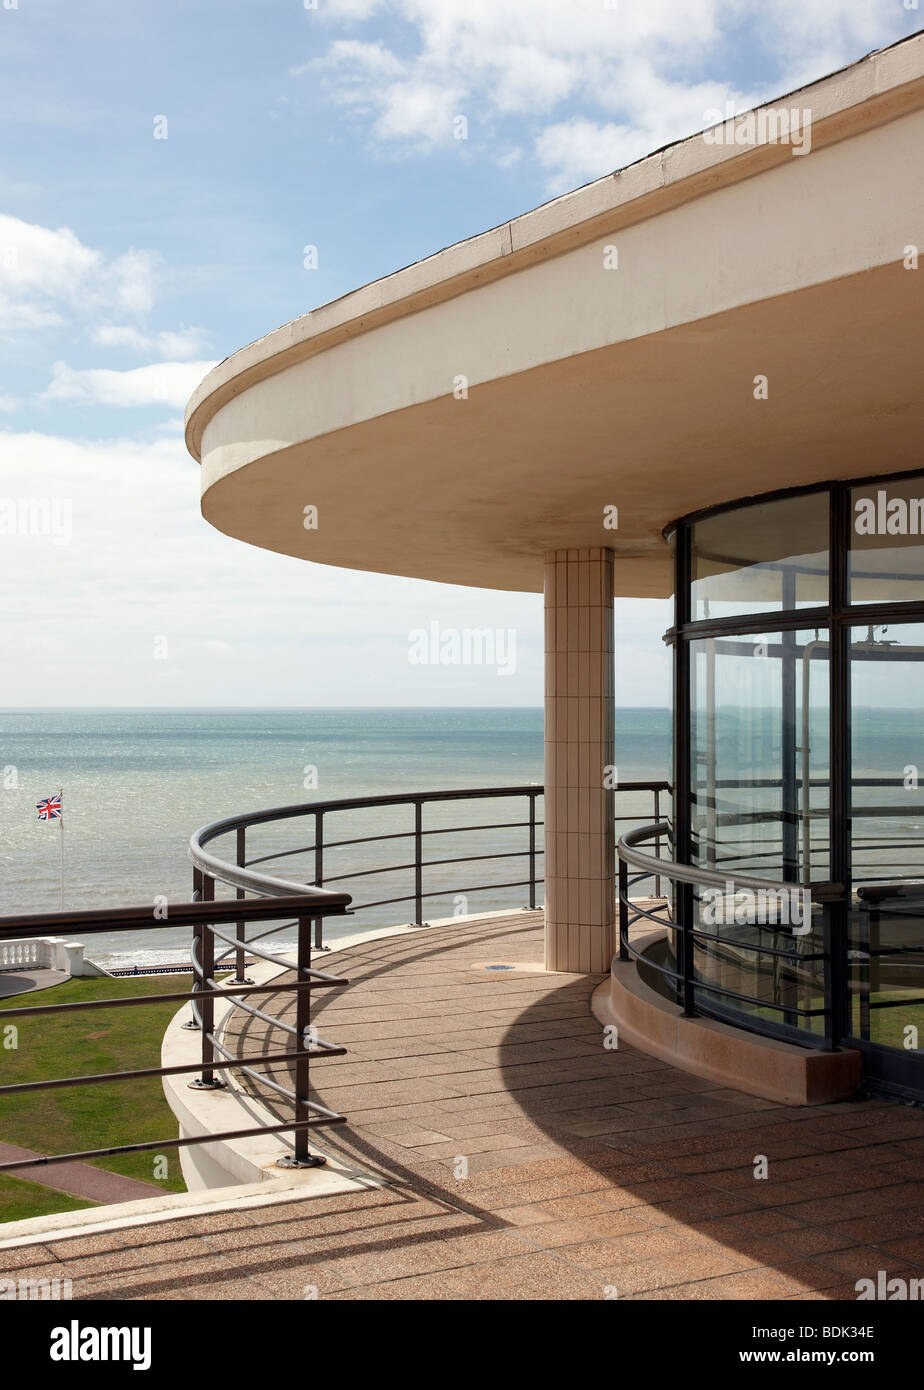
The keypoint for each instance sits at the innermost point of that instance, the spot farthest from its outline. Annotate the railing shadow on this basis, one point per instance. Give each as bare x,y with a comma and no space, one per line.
640,1150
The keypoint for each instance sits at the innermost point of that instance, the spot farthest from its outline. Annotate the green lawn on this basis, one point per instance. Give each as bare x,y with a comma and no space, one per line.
88,1117
21,1200
886,1026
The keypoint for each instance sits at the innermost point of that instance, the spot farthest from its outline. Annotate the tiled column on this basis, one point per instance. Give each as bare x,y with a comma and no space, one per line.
579,835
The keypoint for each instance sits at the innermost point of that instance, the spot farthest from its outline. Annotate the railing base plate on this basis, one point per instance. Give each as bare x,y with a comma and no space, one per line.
290,1161
200,1085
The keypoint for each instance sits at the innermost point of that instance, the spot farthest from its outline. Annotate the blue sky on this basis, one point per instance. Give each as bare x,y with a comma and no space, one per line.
129,264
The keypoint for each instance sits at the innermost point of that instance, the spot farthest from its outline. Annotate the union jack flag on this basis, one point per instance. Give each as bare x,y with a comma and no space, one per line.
50,808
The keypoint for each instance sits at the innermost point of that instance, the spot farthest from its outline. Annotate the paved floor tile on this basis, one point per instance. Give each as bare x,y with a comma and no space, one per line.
591,1174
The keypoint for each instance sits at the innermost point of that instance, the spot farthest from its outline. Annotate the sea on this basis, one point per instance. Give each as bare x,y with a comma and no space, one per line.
138,782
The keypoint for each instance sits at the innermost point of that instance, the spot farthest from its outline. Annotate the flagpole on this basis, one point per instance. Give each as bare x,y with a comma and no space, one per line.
61,824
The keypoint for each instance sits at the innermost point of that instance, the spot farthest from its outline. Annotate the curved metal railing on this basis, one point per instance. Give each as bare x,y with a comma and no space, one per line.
316,901
788,988
241,872
203,915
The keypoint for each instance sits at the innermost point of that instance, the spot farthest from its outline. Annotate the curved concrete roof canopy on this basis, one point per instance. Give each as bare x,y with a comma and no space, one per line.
456,420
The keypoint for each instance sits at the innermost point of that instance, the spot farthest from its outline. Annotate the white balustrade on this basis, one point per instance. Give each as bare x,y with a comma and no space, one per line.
36,953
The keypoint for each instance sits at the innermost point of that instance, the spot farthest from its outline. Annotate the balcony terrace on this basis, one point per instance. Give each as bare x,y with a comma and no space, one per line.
589,1172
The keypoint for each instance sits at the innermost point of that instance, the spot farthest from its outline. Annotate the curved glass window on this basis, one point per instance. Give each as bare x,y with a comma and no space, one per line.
799,759
761,558
887,541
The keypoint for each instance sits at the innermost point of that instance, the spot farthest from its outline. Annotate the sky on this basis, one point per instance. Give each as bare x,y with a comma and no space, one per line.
163,166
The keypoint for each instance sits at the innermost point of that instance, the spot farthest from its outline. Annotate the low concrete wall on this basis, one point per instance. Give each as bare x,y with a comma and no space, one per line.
757,1065
210,1112
77,965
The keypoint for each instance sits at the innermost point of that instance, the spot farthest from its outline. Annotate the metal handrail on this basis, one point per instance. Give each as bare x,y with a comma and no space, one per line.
202,914
690,873
242,876
686,986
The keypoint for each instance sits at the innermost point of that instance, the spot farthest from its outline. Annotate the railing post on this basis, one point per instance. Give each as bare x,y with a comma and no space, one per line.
301,1156
835,984
319,875
196,944
623,909
657,816
240,973
686,918
207,1081
532,849
418,864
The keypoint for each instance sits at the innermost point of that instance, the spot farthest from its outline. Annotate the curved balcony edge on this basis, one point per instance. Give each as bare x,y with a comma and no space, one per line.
768,1068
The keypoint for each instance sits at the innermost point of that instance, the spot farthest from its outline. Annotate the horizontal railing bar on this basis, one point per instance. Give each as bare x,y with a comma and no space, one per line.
706,938
472,858
321,976
243,877
644,912
363,803
702,986
96,1078
257,1075
709,937
270,931
138,999
662,969
432,864
329,844
717,989
479,888
265,1080
384,902
304,904
402,835
275,1022
686,873
330,1117
444,892
366,873
263,885
271,1019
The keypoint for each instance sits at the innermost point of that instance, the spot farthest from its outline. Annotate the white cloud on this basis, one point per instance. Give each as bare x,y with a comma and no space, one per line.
41,272
618,68
140,562
48,274
347,11
578,150
418,111
133,274
162,383
372,80
354,60
180,344
50,280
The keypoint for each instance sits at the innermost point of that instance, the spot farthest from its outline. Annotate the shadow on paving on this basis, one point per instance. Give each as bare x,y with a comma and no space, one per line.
589,1171
638,1174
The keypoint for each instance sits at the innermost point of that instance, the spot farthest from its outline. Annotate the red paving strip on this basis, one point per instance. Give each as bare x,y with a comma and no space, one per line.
78,1179
588,1170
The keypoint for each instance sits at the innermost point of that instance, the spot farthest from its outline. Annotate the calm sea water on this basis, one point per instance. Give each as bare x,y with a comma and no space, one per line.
138,782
